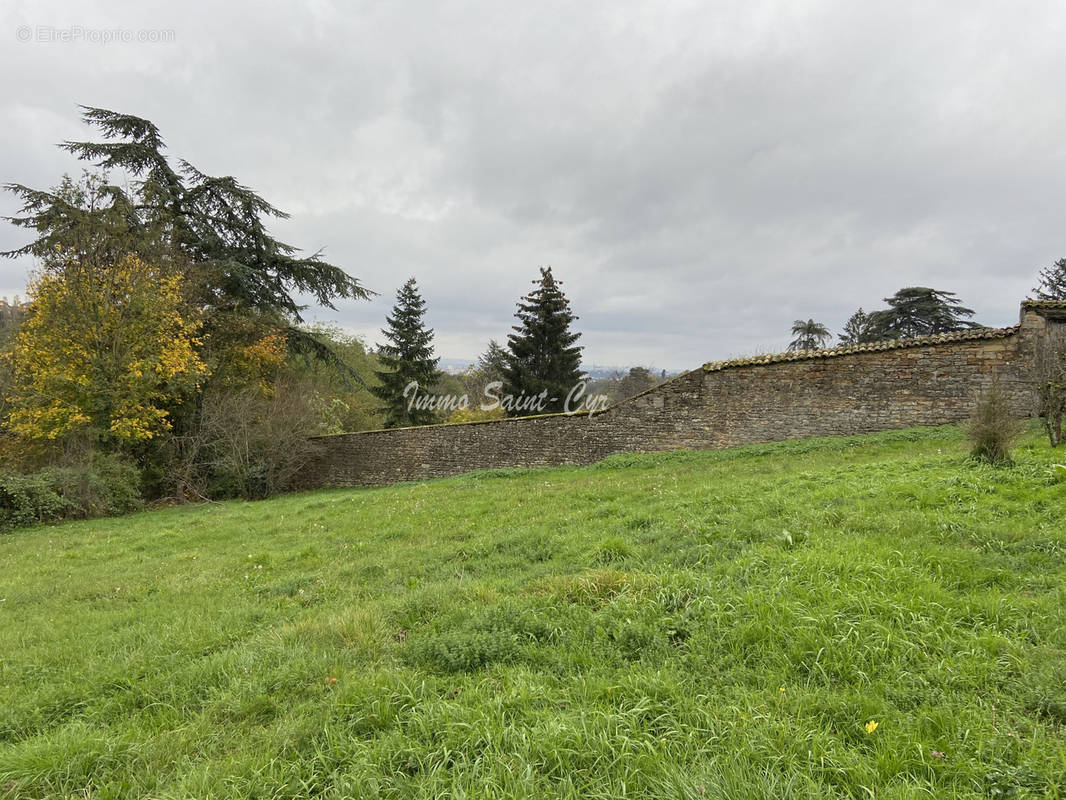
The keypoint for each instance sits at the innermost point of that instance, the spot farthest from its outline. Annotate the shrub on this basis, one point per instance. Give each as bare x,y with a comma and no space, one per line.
254,443
102,488
28,499
993,428
105,486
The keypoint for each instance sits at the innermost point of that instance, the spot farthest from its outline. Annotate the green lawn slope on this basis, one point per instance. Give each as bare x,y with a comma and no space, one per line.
871,617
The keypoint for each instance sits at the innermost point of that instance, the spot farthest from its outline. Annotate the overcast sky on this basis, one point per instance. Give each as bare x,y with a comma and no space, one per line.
698,174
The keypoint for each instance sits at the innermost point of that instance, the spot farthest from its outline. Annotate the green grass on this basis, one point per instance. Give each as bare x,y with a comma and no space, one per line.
712,624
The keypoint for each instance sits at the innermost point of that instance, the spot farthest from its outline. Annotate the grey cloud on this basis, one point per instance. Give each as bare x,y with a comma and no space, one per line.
699,175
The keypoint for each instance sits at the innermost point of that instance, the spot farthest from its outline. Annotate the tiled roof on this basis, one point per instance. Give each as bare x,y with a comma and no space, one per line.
872,347
1037,305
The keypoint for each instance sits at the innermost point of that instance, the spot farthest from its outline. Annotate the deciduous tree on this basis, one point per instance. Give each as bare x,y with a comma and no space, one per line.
1050,376
102,354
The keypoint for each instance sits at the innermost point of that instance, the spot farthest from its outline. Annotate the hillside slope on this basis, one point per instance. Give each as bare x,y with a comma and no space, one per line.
873,616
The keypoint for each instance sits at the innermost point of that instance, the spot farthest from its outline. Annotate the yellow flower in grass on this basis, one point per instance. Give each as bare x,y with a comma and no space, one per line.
871,726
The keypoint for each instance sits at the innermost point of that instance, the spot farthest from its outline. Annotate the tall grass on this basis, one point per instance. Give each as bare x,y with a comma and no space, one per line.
716,624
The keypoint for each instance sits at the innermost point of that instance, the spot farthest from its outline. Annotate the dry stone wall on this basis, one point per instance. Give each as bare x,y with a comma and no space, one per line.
888,385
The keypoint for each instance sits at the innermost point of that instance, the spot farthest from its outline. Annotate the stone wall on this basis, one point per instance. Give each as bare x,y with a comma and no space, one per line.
870,388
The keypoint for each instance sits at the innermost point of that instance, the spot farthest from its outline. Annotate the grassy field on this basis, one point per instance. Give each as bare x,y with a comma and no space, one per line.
867,617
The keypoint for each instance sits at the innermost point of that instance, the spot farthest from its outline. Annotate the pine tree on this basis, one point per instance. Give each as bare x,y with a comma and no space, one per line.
920,311
856,329
1052,282
407,358
542,356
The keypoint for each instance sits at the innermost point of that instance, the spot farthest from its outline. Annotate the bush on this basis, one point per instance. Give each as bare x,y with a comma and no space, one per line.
103,487
28,499
249,442
993,429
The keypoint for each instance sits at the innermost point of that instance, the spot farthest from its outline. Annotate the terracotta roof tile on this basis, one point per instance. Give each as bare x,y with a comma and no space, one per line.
872,347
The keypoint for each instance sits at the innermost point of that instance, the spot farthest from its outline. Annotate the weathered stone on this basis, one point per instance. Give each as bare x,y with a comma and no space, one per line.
838,392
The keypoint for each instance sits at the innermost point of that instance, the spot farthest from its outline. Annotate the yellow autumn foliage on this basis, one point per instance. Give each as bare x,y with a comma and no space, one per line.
257,363
102,353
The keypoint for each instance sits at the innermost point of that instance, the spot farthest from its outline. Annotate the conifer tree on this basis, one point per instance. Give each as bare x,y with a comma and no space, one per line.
1052,282
856,330
542,356
407,358
493,361
920,311
215,228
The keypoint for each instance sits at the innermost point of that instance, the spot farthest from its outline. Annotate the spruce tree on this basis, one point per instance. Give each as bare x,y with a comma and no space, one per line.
493,361
541,354
1052,282
408,357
